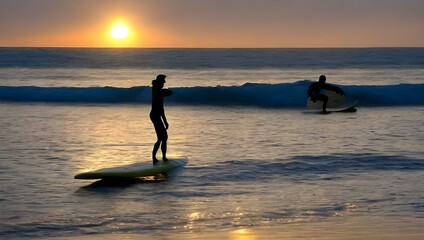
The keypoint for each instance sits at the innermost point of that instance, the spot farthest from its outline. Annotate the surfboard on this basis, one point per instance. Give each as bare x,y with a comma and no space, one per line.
334,100
347,107
135,170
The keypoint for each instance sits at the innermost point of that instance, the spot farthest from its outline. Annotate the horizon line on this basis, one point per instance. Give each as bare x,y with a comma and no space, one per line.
82,47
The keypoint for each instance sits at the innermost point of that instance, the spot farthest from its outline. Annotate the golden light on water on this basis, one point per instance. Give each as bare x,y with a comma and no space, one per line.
243,234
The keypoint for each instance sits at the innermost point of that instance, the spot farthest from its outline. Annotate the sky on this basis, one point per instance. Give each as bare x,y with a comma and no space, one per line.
213,23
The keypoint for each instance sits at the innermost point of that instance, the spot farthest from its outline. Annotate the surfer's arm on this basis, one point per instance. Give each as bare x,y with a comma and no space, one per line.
311,90
165,122
166,92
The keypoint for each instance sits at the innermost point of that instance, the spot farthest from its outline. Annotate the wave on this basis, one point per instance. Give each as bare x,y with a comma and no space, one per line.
283,95
309,167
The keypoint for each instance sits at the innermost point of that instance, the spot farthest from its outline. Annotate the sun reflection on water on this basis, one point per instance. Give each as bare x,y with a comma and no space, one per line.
243,234
114,139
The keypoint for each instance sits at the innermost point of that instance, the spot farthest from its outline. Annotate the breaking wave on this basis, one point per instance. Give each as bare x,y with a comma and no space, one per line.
285,95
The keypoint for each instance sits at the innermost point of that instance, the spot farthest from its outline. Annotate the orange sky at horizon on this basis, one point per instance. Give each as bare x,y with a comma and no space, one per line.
213,24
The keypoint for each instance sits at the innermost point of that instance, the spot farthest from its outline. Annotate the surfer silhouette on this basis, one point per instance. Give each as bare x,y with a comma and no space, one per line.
314,92
157,115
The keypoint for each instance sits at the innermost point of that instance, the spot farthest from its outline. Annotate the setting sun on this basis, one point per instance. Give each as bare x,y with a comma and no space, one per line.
119,31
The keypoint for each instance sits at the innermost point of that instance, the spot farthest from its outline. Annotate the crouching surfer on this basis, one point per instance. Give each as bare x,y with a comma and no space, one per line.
314,92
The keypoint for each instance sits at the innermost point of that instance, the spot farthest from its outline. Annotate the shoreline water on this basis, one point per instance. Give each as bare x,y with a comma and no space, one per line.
268,178
318,231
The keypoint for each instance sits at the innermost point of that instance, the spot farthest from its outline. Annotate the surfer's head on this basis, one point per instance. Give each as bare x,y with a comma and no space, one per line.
322,79
159,81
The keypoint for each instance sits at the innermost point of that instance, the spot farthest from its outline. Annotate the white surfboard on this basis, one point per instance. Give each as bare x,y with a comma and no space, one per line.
135,170
347,107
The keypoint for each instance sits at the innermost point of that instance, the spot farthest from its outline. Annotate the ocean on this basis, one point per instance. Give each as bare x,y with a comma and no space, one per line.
260,167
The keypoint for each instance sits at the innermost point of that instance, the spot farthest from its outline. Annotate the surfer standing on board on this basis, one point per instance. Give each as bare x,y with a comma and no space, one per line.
314,91
157,115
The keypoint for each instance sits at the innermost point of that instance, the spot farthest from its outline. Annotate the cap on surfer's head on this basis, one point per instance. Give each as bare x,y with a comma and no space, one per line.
322,78
159,79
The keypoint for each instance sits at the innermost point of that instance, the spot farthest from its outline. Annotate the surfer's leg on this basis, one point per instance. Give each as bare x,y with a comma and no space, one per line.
159,128
324,105
324,99
164,145
155,150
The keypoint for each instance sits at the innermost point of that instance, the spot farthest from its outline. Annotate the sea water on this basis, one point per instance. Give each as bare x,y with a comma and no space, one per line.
260,167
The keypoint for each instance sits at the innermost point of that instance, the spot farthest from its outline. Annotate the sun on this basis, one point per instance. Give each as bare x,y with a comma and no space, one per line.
119,31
